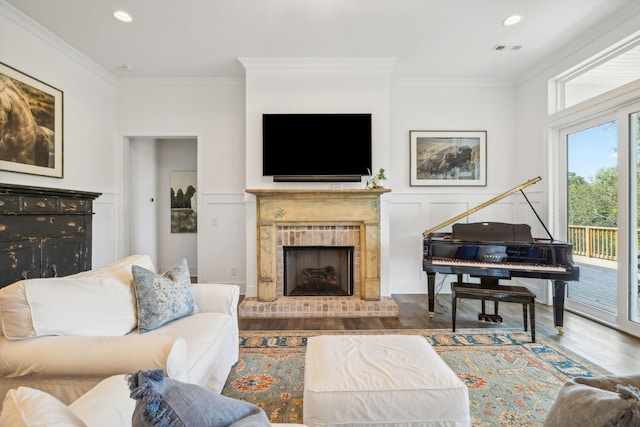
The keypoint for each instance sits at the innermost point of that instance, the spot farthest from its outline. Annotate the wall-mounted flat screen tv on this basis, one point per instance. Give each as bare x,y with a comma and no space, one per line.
316,147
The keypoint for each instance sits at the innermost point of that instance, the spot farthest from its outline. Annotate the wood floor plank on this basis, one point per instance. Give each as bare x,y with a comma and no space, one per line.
613,350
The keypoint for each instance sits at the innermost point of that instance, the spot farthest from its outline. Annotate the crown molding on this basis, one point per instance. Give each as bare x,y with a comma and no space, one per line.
38,31
181,81
426,82
380,64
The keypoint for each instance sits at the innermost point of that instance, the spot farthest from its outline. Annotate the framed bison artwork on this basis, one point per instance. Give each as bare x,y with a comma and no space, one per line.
448,158
30,124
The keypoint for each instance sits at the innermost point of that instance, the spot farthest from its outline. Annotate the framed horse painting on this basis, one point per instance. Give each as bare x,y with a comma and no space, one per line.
30,124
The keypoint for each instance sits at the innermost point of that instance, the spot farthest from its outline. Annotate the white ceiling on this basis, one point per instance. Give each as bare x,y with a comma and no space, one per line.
429,38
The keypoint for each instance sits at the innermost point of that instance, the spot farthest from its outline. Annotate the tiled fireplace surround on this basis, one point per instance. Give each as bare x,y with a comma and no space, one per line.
318,218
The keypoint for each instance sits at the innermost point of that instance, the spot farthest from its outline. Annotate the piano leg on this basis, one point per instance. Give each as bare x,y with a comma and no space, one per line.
558,305
431,292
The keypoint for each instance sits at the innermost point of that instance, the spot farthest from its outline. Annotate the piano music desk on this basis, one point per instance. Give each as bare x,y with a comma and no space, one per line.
495,293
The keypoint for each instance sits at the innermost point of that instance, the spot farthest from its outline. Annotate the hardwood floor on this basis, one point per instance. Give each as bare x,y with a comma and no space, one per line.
613,350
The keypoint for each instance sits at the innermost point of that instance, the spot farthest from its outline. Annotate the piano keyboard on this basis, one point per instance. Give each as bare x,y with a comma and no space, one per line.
507,265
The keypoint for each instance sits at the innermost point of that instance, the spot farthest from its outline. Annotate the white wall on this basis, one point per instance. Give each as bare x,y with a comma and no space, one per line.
314,86
446,105
89,100
212,112
102,113
142,196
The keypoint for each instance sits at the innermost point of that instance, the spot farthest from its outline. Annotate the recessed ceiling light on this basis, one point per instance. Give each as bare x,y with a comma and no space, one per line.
512,20
123,16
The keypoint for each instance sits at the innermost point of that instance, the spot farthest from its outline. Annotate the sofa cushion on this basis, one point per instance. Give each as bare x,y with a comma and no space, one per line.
607,400
98,302
162,298
108,404
26,406
165,401
121,268
212,346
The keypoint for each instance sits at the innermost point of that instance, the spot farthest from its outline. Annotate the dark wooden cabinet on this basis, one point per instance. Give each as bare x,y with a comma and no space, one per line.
44,232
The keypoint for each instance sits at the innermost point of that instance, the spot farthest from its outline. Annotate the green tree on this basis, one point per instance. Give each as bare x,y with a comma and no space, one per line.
604,198
595,203
579,192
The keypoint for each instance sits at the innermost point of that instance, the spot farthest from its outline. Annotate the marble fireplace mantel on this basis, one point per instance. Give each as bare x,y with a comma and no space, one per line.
317,207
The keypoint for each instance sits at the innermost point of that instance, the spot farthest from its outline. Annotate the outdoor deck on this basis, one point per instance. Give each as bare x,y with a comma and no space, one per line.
597,286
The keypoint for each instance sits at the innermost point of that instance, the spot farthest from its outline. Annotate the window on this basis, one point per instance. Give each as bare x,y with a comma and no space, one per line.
608,70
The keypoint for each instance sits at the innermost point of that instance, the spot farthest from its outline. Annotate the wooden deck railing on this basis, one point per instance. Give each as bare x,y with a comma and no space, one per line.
594,242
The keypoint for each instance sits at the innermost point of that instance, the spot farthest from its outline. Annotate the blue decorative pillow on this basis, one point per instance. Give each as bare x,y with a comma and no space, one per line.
167,402
163,298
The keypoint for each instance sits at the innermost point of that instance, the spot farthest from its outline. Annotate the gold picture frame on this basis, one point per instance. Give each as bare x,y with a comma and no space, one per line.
31,125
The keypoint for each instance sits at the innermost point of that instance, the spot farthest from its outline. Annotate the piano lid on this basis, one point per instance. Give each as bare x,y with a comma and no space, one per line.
519,188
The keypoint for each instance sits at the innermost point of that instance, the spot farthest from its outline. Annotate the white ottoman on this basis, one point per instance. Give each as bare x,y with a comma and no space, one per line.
380,380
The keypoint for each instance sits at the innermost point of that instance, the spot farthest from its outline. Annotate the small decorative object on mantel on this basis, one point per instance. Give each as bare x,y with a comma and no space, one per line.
375,181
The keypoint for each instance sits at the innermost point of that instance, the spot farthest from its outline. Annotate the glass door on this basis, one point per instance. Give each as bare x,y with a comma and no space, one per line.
631,288
603,220
592,216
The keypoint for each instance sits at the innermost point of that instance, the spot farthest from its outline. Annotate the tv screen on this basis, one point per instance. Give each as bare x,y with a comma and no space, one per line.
316,147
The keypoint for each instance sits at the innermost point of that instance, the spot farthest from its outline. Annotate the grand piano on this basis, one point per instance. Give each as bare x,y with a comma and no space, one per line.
492,251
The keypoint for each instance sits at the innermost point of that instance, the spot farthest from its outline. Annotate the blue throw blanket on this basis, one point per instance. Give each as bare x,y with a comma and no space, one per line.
165,402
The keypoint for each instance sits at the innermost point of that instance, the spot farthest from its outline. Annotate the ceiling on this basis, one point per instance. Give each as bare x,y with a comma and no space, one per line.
439,39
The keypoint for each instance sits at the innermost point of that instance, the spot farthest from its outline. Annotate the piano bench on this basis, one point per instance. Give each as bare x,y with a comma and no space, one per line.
504,293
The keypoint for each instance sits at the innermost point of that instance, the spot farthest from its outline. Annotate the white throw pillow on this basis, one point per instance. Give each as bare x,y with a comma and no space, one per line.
93,303
107,404
99,305
26,406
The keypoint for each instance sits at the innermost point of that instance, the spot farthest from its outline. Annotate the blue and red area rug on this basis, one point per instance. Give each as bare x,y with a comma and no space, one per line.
512,382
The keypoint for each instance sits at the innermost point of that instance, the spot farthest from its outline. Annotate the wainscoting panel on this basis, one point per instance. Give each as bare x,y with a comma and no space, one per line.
223,248
412,214
222,240
405,262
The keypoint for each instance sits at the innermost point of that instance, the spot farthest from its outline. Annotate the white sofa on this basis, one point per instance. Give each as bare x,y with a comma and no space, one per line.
106,405
65,335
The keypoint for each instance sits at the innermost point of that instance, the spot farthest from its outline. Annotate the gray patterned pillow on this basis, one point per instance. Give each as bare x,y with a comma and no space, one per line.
163,298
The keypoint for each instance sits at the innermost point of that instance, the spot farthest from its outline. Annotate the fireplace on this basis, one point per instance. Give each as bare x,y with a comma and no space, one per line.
331,219
318,270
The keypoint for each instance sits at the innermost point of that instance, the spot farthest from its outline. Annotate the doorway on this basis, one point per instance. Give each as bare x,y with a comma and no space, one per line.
156,171
602,216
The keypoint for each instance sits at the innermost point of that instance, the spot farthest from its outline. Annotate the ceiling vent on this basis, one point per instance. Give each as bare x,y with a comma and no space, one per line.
506,47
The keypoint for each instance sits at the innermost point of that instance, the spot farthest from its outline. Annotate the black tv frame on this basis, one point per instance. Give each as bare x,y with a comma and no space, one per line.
320,126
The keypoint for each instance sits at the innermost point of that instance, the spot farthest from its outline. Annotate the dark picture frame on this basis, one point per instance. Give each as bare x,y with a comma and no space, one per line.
31,125
448,158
